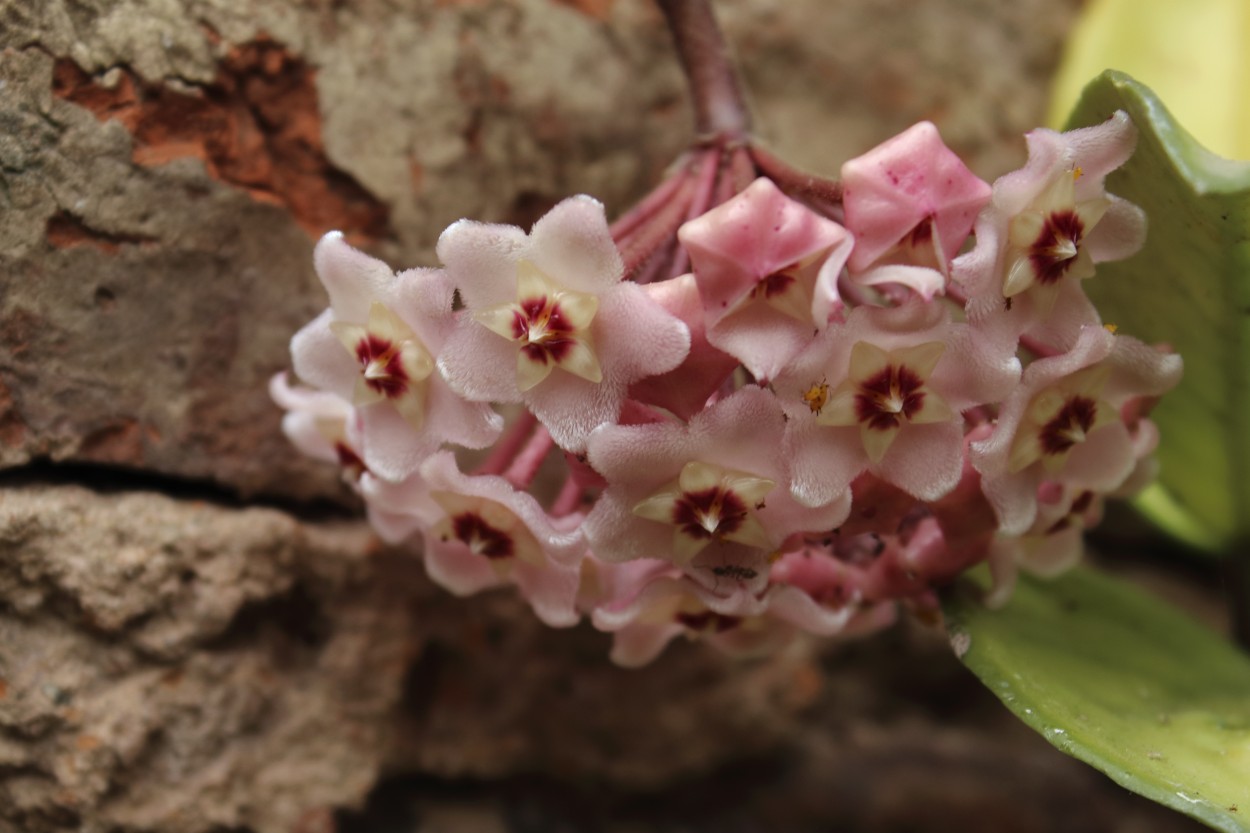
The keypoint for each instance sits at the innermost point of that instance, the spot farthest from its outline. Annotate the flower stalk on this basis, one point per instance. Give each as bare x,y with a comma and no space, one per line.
719,107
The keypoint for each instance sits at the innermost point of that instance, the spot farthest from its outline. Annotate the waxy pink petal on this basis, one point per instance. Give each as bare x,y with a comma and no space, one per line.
909,187
542,560
626,335
761,244
742,433
1103,460
975,365
404,319
1042,299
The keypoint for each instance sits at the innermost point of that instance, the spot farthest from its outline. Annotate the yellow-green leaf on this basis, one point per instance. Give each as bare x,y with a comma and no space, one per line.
1123,682
1189,287
1192,53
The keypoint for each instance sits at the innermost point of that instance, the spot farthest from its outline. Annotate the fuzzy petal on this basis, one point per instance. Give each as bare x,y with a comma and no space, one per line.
685,389
925,460
903,182
353,279
571,243
481,259
320,360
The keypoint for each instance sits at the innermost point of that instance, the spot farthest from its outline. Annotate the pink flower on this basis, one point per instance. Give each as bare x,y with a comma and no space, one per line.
484,533
669,606
657,606
1064,423
884,393
549,322
324,427
910,202
685,390
375,348
1046,227
1054,544
767,270
319,424
674,489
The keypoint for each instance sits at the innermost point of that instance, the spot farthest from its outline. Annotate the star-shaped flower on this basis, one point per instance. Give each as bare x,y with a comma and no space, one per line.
910,202
657,606
1044,229
884,393
767,270
484,533
674,489
1064,423
549,322
374,348
1054,544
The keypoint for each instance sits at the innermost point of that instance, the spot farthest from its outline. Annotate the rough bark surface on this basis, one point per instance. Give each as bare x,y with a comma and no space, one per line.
175,660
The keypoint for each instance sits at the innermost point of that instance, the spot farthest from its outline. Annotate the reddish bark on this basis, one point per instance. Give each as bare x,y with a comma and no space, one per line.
256,126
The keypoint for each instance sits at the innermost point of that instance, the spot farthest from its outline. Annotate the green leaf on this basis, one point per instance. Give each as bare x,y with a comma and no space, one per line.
1123,682
1189,287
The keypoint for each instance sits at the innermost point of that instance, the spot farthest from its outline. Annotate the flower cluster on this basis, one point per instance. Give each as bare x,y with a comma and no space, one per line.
740,413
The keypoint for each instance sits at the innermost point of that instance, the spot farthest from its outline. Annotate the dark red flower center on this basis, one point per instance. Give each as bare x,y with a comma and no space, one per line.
718,508
922,234
381,364
543,329
1068,427
1055,248
352,465
708,621
893,395
770,286
480,537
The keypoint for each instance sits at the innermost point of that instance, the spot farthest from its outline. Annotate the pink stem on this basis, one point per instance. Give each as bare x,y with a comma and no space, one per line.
792,179
728,183
742,169
658,229
659,262
568,500
628,222
705,186
523,469
509,444
718,105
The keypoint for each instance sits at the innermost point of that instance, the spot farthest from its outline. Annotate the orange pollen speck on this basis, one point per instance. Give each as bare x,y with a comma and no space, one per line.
1077,173
1111,328
816,396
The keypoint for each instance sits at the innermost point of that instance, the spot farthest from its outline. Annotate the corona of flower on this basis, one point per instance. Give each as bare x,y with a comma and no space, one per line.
750,409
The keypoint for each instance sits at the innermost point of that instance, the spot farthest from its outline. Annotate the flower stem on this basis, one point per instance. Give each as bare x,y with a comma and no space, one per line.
569,498
629,222
720,111
523,469
507,447
703,197
791,179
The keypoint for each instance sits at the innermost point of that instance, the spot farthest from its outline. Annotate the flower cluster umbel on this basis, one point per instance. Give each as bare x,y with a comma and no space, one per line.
742,414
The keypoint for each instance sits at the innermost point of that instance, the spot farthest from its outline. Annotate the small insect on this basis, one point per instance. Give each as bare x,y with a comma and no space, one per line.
817,396
734,571
1007,304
